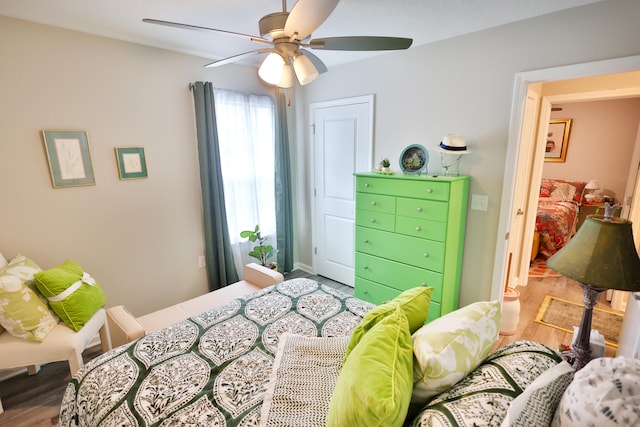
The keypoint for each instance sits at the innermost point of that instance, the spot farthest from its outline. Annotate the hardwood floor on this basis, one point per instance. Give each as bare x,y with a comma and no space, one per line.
531,297
34,401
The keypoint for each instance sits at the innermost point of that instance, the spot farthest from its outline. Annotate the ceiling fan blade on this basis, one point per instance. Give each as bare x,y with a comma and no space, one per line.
317,62
307,15
360,43
238,57
199,28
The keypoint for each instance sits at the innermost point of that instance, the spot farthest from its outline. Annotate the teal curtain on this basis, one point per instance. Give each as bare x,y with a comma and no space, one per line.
284,210
221,270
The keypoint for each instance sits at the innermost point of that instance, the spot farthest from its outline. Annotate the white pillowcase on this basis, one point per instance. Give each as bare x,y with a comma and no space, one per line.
605,393
563,191
448,348
3,260
538,402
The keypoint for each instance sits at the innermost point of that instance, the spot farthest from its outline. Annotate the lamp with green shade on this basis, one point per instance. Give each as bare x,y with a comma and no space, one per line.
601,256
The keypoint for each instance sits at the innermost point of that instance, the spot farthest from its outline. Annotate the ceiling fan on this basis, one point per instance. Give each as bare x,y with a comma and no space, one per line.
287,35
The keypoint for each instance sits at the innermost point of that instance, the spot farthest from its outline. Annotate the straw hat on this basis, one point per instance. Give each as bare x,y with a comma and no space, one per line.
453,144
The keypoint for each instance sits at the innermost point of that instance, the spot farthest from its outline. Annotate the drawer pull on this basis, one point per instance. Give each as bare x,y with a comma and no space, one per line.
426,255
419,209
373,203
373,220
424,285
365,292
366,240
366,185
418,228
365,267
429,190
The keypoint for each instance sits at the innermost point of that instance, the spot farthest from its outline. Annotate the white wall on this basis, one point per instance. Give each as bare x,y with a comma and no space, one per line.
140,238
601,141
465,85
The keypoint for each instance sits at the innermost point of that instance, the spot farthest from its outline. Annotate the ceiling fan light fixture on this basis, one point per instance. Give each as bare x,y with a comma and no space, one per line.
287,80
306,72
271,69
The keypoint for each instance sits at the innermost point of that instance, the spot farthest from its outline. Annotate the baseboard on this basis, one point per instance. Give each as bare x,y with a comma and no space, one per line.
303,267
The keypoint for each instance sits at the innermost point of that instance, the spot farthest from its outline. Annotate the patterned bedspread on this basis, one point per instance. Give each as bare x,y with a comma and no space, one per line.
556,222
210,369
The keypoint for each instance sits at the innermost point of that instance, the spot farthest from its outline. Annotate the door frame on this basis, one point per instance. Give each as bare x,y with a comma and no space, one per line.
514,151
364,99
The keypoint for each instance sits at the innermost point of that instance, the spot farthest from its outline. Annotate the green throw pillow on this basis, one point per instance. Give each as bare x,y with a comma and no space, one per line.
73,294
22,312
374,385
414,303
450,347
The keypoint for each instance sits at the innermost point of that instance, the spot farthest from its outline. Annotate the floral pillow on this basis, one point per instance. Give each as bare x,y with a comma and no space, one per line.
546,187
558,189
22,311
448,348
563,191
605,393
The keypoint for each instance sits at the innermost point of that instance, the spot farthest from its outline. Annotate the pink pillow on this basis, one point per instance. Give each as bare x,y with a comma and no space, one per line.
546,187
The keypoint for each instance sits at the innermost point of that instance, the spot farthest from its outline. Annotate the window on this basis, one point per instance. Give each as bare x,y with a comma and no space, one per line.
246,135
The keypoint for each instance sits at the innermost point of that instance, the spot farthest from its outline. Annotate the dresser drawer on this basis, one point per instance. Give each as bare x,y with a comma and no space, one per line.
414,251
376,293
380,221
376,202
423,229
427,189
422,209
396,275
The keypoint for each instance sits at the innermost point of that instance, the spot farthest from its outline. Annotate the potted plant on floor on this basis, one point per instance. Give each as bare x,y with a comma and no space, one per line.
262,251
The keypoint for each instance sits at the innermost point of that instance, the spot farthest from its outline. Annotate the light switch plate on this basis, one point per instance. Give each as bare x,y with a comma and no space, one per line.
479,202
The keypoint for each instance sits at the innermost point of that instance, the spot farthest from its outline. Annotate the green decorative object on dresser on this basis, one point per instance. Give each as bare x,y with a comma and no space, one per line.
410,232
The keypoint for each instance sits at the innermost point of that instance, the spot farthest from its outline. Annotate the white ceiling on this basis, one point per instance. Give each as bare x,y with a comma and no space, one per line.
423,20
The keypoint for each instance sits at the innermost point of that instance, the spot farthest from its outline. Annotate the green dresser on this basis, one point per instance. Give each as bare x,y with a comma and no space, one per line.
410,232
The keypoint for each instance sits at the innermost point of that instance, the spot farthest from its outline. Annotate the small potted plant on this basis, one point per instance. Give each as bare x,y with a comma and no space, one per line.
385,164
262,251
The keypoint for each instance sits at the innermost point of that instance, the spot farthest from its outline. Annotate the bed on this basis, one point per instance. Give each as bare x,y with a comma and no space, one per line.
210,369
558,207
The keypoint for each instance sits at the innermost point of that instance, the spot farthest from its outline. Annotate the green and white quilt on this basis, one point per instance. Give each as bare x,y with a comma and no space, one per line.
210,369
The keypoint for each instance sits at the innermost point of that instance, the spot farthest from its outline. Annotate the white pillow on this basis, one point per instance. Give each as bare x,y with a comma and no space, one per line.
563,191
448,348
538,402
605,393
3,260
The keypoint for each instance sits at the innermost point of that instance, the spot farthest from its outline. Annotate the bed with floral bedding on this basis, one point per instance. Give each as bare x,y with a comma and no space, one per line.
557,214
210,369
302,354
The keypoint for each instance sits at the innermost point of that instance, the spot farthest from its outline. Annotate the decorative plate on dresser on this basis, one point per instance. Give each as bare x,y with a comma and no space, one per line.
414,159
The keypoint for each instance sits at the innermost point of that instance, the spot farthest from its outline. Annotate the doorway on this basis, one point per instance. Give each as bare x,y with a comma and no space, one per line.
598,88
606,85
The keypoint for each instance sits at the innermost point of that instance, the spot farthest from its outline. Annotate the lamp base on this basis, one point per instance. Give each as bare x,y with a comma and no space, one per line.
580,353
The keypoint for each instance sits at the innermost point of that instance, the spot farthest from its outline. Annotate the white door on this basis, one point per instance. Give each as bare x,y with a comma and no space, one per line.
520,241
342,145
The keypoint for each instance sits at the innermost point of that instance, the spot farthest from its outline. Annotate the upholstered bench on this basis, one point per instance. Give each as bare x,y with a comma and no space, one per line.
124,327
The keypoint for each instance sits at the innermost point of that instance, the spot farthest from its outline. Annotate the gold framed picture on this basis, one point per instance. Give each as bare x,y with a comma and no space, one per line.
131,162
557,140
69,158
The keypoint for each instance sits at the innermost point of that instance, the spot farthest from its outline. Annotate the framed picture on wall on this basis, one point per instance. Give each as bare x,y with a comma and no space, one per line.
131,162
557,140
69,158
